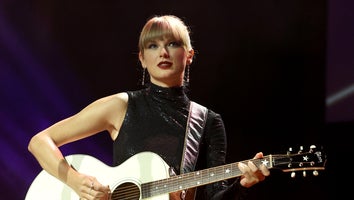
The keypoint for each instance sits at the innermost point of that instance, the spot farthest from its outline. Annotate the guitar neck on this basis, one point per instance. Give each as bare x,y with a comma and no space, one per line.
199,178
301,161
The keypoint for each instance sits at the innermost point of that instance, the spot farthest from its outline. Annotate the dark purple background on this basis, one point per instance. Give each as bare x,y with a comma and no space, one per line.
275,70
340,62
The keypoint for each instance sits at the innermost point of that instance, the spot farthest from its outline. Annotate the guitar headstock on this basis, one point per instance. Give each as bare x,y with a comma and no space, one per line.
312,159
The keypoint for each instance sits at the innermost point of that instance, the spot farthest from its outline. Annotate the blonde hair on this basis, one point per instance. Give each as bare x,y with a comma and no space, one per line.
159,27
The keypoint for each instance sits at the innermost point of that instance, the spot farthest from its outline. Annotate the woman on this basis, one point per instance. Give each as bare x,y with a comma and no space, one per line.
153,119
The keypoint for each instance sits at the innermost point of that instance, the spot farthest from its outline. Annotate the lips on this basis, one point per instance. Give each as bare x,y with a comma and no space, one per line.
164,65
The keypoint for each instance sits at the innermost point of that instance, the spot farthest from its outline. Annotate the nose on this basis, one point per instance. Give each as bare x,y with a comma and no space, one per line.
164,52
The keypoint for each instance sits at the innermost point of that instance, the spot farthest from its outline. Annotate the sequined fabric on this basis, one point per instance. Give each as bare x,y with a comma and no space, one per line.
155,121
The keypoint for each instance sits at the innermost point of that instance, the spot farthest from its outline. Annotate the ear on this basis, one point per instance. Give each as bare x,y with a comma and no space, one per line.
190,57
141,58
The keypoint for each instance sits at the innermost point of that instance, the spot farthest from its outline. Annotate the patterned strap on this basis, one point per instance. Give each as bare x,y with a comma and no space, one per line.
194,131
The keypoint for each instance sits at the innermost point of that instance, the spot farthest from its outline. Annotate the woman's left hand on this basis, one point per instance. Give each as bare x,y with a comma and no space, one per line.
251,173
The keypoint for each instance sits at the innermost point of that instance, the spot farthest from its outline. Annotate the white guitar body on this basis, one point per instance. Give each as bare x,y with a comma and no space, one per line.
134,170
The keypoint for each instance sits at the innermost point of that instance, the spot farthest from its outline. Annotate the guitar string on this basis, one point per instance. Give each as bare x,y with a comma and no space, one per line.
191,179
204,177
127,192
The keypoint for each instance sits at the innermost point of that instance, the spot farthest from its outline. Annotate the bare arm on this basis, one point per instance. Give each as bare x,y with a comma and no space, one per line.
104,114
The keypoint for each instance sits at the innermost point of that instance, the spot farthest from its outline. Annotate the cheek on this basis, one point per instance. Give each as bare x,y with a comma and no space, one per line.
180,55
182,58
149,58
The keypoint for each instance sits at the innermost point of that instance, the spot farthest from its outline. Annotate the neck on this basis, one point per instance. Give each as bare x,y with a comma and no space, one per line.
167,84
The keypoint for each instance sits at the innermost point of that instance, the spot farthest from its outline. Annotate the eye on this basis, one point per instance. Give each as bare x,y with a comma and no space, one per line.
151,46
174,44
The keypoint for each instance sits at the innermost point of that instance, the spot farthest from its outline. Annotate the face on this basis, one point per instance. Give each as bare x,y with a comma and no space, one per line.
165,61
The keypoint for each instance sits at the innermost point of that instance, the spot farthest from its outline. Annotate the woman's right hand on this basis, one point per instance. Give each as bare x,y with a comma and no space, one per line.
90,189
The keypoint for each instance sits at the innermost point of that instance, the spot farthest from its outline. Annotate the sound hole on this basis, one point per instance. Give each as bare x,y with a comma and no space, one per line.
126,191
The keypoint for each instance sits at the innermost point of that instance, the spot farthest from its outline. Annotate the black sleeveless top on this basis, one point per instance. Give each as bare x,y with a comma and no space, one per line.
155,120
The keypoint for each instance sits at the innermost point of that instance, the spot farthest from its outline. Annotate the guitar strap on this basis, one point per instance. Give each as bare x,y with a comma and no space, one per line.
194,131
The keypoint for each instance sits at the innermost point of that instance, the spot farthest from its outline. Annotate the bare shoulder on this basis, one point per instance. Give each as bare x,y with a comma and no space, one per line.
118,99
108,106
122,96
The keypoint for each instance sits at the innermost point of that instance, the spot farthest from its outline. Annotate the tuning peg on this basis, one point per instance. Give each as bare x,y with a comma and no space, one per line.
301,149
293,174
304,173
312,148
315,173
290,150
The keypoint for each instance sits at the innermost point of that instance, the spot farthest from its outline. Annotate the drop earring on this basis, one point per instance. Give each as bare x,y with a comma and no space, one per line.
143,78
186,75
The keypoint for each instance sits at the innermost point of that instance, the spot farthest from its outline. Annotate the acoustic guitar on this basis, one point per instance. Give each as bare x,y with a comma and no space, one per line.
146,175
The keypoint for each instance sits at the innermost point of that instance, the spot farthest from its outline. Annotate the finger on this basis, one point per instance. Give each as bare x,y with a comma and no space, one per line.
103,188
245,174
258,155
243,168
265,171
102,194
99,188
252,166
92,187
103,191
99,191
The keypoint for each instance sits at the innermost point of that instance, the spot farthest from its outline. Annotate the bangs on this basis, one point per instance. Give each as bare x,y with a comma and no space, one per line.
160,29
